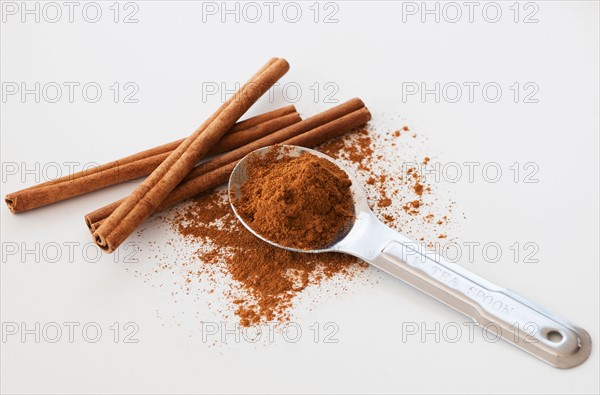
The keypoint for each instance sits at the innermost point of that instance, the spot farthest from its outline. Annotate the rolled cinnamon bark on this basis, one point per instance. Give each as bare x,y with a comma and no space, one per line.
142,163
151,192
261,118
239,139
283,134
308,133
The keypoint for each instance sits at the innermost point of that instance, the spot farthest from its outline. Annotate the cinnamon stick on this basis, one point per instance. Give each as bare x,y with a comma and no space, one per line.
151,192
283,134
308,133
240,138
142,163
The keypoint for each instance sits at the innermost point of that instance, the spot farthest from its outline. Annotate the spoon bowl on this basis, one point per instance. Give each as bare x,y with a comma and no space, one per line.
239,176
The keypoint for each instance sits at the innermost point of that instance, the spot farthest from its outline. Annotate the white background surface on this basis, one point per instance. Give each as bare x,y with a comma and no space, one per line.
368,53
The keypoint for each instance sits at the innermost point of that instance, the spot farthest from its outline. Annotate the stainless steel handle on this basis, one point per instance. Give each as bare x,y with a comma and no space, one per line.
514,318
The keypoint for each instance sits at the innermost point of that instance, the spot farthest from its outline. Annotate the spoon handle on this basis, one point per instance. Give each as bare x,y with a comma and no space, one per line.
500,311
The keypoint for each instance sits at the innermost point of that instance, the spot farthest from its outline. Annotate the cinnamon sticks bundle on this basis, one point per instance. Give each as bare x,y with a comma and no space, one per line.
173,170
149,194
308,133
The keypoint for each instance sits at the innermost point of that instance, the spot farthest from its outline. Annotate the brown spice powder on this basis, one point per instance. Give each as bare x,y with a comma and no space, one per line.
301,202
270,277
267,279
359,152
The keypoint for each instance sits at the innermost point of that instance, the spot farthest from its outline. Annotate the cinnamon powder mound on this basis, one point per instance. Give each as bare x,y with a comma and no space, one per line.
301,202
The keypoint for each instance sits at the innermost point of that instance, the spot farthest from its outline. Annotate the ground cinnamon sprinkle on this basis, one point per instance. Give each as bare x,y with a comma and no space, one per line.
269,277
359,152
385,202
267,281
301,202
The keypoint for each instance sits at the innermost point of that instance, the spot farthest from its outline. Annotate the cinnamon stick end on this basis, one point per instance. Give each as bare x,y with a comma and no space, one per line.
11,203
94,226
102,243
368,113
284,64
88,222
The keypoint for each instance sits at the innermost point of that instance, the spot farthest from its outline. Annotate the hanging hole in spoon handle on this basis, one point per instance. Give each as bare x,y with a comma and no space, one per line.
498,310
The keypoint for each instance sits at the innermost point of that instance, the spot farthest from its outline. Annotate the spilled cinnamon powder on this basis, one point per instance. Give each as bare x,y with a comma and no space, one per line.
258,282
302,202
268,277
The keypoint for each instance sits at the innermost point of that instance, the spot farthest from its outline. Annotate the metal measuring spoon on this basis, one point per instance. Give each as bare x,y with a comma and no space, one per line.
517,320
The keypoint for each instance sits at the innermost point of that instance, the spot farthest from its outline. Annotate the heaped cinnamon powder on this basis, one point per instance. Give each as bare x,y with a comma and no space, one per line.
302,202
